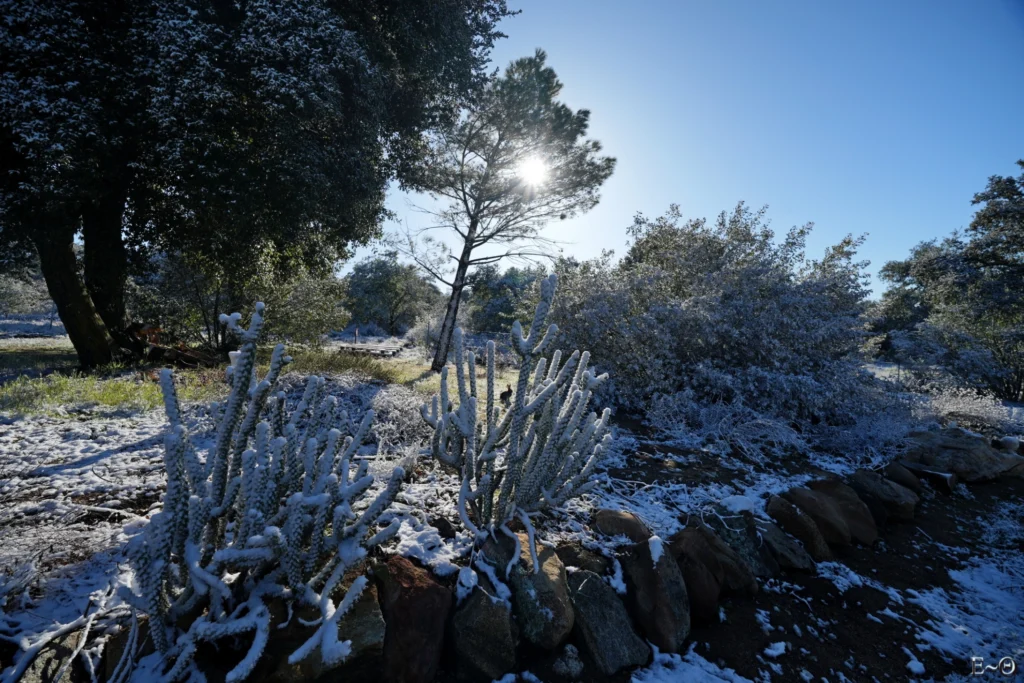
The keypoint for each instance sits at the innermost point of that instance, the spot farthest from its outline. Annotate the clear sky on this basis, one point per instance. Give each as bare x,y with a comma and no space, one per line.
878,116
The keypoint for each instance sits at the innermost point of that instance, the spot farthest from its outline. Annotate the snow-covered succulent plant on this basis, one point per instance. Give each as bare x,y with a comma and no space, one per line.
541,452
270,511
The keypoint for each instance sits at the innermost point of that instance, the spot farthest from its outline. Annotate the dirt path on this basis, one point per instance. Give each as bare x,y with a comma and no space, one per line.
864,632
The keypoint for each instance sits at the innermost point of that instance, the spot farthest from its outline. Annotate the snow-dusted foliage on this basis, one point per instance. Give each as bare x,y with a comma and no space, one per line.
541,451
721,317
721,332
398,424
956,305
269,512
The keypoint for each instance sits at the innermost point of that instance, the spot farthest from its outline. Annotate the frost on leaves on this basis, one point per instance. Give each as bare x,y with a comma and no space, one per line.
269,512
541,452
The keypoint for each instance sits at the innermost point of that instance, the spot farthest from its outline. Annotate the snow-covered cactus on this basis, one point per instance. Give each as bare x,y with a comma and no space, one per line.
270,511
542,451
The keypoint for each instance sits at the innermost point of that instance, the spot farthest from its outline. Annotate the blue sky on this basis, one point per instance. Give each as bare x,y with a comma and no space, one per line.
877,117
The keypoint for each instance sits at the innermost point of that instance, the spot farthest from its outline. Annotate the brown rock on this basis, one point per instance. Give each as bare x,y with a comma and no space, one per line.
702,588
657,596
898,501
541,598
969,456
114,649
855,513
787,552
825,513
794,522
619,522
484,637
942,481
415,610
575,555
740,533
729,569
1010,444
445,529
603,627
52,658
363,626
902,476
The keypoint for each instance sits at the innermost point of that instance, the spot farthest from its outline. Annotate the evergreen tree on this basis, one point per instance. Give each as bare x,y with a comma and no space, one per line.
228,129
388,293
515,159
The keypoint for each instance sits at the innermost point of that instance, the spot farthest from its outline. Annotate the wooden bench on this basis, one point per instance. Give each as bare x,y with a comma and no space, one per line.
373,348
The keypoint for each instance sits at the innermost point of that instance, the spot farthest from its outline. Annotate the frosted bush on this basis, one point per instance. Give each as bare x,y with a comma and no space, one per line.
398,422
968,408
725,312
426,333
269,512
537,455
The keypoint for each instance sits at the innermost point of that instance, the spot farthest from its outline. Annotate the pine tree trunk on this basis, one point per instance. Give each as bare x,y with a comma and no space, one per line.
106,265
84,326
451,314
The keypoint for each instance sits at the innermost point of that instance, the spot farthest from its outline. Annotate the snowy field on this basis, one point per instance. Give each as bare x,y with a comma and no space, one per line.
31,326
74,489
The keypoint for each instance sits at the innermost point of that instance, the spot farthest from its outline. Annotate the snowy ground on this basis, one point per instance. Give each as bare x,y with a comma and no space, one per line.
74,488
30,326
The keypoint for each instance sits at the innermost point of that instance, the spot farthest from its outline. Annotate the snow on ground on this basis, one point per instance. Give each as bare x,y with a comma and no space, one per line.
673,668
984,617
30,326
74,488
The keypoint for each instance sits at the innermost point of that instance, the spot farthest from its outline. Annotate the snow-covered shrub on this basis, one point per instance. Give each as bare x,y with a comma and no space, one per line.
269,512
967,407
967,288
184,294
537,455
398,421
426,333
724,311
388,294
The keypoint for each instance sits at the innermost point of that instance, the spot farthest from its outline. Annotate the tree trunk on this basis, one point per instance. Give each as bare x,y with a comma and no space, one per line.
84,326
451,314
106,265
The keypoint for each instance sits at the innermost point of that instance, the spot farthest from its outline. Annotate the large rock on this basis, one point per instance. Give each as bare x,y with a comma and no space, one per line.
969,456
942,481
603,626
799,525
898,501
856,513
1010,444
52,658
541,598
657,594
729,569
901,475
415,609
740,533
621,523
786,551
575,555
363,626
825,513
114,649
484,637
702,587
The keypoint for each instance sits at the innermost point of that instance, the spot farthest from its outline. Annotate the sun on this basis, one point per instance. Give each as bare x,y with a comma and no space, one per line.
532,171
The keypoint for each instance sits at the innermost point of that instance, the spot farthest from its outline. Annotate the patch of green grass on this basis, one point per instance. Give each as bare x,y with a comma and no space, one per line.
319,362
137,391
36,357
421,379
